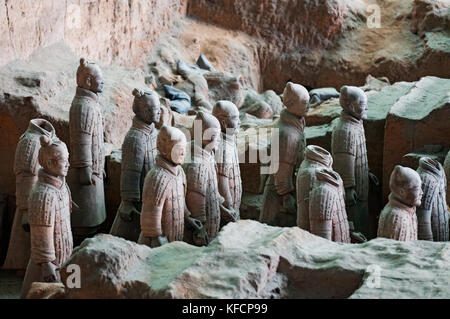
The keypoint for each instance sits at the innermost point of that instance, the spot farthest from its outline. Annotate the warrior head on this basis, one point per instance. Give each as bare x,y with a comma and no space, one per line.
354,101
228,115
209,128
171,144
318,154
146,105
53,156
296,99
406,185
89,76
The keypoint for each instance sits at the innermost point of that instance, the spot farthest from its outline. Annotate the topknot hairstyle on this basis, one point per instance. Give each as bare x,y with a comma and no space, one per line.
51,148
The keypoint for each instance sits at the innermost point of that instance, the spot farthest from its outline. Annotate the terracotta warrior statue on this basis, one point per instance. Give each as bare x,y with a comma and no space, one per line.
398,219
327,215
229,173
49,208
203,198
26,167
87,151
138,157
164,212
316,158
432,214
279,203
348,147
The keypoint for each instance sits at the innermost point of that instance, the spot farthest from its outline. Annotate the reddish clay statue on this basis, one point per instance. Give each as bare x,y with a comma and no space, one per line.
164,211
87,151
138,157
348,147
203,198
316,158
227,159
279,203
49,208
26,167
327,215
398,219
432,214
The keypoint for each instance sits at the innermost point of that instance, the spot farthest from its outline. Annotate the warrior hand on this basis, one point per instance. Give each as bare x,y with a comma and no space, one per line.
229,214
374,179
350,197
25,223
357,238
201,237
127,211
158,241
195,224
289,204
85,175
49,272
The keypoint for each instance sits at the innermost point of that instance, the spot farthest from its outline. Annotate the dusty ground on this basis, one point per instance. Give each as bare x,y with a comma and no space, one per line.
10,284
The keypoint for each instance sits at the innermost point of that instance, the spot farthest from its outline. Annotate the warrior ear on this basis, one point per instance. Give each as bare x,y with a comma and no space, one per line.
138,92
88,80
83,62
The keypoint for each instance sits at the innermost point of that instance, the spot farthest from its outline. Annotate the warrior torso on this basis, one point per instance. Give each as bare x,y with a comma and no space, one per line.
201,177
228,165
86,132
49,209
398,221
165,185
348,137
138,157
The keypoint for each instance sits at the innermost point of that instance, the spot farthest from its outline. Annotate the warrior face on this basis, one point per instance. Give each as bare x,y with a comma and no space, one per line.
228,115
95,80
296,99
171,144
354,101
178,152
54,158
211,139
413,194
89,76
406,185
146,106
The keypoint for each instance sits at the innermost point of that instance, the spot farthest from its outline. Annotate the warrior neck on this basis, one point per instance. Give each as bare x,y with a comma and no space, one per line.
229,138
396,202
293,120
141,125
346,116
318,157
42,127
167,165
197,151
56,181
86,93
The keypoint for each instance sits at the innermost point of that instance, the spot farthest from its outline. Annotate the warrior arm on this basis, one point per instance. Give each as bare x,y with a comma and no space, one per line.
424,224
197,205
344,165
423,212
283,178
224,190
196,191
322,228
133,154
151,218
42,244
